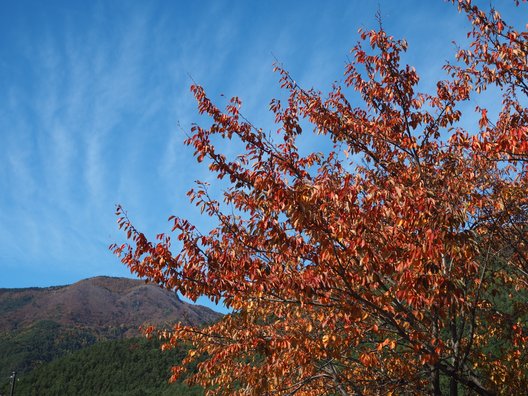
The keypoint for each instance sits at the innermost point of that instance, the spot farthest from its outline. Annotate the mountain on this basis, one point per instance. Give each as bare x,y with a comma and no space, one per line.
40,325
102,303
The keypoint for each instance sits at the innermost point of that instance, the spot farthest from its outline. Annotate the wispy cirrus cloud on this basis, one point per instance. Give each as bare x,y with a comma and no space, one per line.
61,132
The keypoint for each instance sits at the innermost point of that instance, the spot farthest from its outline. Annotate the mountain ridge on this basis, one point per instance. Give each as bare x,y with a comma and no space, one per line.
100,301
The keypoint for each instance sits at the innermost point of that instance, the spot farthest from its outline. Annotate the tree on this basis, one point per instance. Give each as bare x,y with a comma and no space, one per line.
396,262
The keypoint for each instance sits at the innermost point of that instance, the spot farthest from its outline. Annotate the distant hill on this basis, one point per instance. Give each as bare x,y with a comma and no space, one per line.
101,303
42,324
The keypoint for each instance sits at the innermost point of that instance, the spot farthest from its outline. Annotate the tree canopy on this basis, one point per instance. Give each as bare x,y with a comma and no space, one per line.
394,263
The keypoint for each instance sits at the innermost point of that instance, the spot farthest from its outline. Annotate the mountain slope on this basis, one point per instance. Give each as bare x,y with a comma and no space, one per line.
121,367
101,303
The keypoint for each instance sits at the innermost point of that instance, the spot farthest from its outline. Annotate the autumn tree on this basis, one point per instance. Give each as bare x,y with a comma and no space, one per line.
394,263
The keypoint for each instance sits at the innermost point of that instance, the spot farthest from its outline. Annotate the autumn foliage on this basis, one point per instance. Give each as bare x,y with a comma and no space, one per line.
396,262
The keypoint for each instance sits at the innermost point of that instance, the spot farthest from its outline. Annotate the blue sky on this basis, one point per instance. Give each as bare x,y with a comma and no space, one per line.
94,102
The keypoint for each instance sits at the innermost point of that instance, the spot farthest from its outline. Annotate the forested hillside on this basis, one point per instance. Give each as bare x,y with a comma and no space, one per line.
121,367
